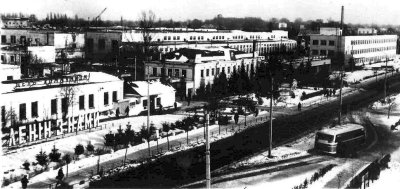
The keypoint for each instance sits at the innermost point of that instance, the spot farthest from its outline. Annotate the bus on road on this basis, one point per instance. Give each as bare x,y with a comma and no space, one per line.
341,139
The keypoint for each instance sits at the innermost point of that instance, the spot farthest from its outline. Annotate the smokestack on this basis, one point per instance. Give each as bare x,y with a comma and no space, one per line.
341,19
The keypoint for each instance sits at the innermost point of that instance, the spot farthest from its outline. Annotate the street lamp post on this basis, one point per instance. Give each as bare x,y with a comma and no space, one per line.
270,118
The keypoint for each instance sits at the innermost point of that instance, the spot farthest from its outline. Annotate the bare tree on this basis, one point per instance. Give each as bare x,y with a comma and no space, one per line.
146,24
69,94
10,122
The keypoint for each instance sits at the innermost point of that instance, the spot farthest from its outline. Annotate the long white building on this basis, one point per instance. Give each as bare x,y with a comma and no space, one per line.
364,49
260,42
34,108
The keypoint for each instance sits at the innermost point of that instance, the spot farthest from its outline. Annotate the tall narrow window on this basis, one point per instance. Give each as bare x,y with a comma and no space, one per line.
102,44
53,106
114,97
82,102
34,109
64,105
105,98
22,111
91,101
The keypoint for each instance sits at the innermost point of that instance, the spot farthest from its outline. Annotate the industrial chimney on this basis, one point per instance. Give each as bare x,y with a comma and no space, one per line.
341,19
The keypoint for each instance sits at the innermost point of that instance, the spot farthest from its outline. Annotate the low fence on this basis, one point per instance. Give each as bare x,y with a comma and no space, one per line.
369,173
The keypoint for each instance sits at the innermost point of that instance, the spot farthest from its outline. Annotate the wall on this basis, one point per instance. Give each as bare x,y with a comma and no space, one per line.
36,37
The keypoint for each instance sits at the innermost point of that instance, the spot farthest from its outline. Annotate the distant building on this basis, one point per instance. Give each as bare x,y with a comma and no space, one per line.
282,25
103,46
15,22
9,72
366,31
188,69
363,49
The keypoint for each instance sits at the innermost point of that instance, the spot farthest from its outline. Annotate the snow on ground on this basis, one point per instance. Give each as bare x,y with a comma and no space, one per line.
389,178
67,145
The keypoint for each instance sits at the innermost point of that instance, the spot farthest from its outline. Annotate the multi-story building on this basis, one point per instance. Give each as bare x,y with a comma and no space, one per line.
15,22
200,66
363,49
261,42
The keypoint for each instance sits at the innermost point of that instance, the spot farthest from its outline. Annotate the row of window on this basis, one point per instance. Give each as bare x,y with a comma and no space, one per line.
223,70
373,59
323,42
22,39
101,44
168,38
323,52
170,72
372,41
64,105
370,50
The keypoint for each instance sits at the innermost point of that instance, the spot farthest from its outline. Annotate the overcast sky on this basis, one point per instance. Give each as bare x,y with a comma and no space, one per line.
356,11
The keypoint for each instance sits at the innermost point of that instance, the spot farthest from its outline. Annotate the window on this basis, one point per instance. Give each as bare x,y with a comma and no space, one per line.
10,77
34,109
90,45
91,101
229,70
165,38
176,72
82,102
332,43
12,58
201,73
114,97
22,111
323,42
322,52
102,44
184,73
315,42
331,52
114,46
212,71
3,39
207,72
105,98
22,40
53,106
155,71
64,105
217,71
3,59
170,72
13,39
158,101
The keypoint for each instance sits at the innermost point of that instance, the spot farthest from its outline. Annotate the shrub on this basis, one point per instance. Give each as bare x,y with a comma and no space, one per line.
42,158
90,147
54,155
79,149
26,165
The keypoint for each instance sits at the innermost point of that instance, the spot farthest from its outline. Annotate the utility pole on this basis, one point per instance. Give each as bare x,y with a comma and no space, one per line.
270,118
208,171
136,70
384,85
340,97
148,109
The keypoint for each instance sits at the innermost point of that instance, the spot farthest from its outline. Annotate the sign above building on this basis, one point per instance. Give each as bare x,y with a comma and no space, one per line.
65,80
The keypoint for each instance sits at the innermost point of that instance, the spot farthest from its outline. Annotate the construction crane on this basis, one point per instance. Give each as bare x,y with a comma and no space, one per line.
97,17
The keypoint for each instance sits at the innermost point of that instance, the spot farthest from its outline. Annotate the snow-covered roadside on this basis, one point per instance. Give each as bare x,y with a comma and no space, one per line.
92,160
67,145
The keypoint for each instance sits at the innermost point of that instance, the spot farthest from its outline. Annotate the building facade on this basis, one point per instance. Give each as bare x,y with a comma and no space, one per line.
42,108
362,49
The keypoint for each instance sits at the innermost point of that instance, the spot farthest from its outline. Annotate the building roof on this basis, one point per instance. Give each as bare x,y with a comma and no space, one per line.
155,88
74,79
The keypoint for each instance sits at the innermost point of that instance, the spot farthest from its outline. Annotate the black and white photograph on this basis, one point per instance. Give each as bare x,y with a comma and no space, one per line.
244,94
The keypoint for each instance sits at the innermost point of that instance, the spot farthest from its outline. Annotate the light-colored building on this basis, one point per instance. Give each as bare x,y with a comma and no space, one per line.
14,22
160,95
64,104
366,31
260,42
200,66
364,49
9,72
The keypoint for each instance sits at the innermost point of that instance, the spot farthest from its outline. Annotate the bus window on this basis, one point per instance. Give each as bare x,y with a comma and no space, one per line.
322,136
